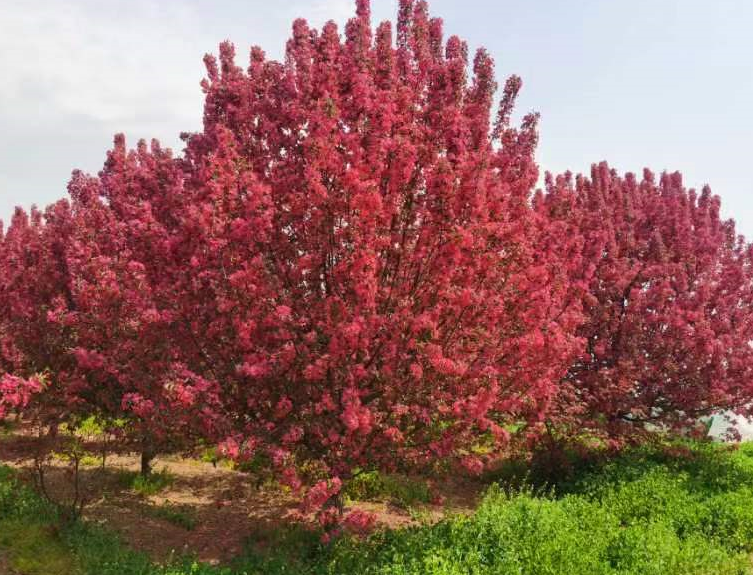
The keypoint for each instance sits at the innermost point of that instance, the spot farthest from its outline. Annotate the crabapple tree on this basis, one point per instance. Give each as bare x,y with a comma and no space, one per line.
365,272
668,324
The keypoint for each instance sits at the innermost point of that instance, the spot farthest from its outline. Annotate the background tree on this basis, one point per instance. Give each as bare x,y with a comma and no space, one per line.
668,325
124,257
35,284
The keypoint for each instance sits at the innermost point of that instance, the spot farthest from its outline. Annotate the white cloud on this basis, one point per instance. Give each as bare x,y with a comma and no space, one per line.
109,61
75,72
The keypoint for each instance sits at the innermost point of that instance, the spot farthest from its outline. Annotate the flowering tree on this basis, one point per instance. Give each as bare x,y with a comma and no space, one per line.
668,326
365,274
34,284
86,307
130,348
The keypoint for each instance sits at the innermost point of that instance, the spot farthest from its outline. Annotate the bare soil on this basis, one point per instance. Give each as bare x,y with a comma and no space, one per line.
228,506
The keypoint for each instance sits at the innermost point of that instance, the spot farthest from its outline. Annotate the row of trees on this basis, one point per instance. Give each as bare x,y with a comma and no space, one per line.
348,266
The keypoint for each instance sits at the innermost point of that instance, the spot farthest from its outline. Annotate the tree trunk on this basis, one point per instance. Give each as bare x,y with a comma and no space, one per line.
147,456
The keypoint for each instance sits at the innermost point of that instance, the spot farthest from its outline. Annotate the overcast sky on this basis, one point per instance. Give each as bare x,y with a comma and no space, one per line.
666,84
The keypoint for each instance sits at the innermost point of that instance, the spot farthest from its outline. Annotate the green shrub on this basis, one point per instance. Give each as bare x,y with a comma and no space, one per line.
210,455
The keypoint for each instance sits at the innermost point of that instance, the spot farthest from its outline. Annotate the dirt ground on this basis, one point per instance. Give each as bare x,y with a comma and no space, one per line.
226,505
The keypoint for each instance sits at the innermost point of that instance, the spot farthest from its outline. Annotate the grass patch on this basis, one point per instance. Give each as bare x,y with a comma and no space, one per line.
179,515
289,549
91,460
28,535
210,455
35,549
6,428
527,533
145,485
672,509
403,491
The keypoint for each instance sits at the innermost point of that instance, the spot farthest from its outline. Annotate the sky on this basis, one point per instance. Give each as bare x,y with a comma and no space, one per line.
665,84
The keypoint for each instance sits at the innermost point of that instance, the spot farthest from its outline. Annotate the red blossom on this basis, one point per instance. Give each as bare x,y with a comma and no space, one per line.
360,523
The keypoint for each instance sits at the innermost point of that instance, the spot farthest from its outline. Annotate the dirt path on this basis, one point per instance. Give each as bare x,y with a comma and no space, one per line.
222,503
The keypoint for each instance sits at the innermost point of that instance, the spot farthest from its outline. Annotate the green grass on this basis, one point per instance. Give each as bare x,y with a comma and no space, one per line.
6,428
28,537
34,549
679,509
179,515
374,486
147,485
36,543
